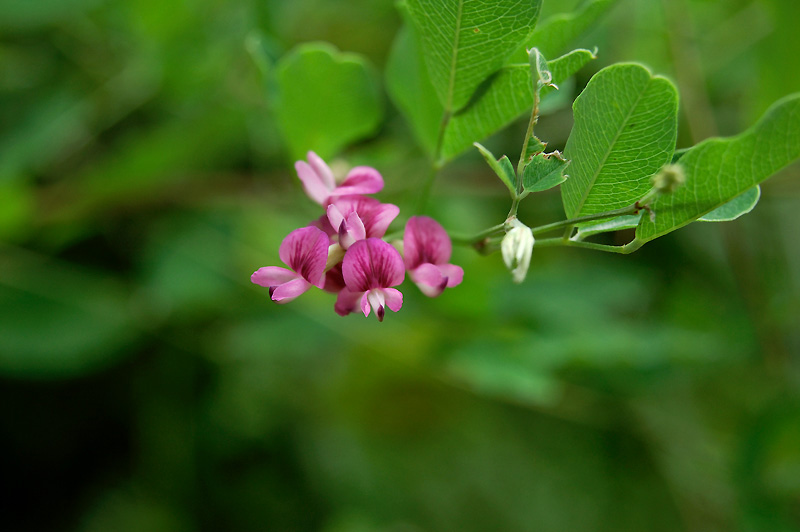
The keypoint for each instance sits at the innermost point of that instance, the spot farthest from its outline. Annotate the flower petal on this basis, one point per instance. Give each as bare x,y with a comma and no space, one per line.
346,302
315,187
372,263
351,230
334,282
271,276
288,291
305,250
394,298
429,279
424,240
454,274
379,219
360,180
322,170
376,216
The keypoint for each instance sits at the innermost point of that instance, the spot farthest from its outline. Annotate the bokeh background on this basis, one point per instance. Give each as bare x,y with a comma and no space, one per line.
146,385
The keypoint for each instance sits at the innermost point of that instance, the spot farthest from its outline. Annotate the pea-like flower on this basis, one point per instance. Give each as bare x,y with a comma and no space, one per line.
427,249
320,184
370,269
358,217
305,251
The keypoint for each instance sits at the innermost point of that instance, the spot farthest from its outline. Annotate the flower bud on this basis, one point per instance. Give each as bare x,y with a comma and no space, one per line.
669,179
516,248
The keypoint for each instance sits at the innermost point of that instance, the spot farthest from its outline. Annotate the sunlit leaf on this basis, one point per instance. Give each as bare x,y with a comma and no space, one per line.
464,42
625,130
738,206
507,97
720,169
543,172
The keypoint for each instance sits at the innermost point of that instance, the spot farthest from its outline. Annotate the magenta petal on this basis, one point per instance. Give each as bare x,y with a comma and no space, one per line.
271,276
394,298
336,216
346,302
312,183
380,219
424,240
322,170
429,279
351,230
360,180
454,274
305,250
372,263
365,303
288,291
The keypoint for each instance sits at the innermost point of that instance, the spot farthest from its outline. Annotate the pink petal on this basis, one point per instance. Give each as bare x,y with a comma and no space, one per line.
305,250
346,302
394,298
351,230
288,291
336,216
454,274
322,170
429,279
271,276
424,240
376,215
325,225
334,281
380,219
372,263
313,184
360,180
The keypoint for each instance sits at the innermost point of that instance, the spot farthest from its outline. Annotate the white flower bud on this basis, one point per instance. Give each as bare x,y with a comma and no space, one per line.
517,247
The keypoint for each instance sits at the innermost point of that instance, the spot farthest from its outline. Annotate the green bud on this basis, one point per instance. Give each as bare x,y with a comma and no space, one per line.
669,179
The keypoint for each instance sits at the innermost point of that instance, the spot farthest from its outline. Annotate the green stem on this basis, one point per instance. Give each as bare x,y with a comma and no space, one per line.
626,249
436,165
473,239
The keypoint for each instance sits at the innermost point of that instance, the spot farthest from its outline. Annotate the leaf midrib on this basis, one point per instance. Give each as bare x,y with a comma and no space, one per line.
585,195
454,59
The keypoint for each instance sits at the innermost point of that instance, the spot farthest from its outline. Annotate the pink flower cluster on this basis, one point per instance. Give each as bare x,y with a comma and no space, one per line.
344,252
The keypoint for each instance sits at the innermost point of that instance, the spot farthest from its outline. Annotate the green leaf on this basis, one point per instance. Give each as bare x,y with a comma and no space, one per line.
738,206
555,34
614,224
502,167
326,99
625,131
543,172
411,90
464,42
720,169
507,97
541,76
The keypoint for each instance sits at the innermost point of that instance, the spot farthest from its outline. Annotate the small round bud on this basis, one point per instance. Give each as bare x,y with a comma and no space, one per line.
669,179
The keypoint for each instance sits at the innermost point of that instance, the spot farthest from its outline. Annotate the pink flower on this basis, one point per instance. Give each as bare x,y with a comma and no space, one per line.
358,217
427,250
305,251
320,185
370,268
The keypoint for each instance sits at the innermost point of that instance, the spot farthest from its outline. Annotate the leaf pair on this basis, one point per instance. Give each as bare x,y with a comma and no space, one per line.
625,130
459,70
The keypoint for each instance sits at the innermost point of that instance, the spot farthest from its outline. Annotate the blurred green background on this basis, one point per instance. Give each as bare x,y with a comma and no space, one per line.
146,385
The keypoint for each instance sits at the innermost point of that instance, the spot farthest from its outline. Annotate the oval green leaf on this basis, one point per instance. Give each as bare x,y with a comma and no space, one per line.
626,124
